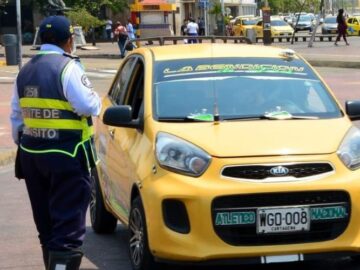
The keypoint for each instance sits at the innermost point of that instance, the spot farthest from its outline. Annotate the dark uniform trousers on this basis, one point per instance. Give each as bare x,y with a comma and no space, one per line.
59,190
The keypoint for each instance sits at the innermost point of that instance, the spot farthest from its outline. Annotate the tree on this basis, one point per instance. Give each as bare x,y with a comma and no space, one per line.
91,6
2,6
290,6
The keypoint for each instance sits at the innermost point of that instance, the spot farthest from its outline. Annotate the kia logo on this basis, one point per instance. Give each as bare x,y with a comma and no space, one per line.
279,171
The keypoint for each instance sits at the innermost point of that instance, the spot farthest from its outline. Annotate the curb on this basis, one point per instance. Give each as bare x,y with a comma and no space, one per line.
313,62
7,156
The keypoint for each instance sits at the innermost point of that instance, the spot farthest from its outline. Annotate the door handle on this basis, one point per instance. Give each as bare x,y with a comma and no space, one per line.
111,132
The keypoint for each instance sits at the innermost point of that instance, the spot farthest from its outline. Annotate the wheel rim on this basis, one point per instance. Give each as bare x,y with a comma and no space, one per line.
93,200
136,242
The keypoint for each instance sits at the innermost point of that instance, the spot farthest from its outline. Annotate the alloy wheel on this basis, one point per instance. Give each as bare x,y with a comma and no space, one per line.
136,225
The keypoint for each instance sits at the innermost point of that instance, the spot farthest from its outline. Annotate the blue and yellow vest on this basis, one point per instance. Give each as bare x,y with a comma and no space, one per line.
50,123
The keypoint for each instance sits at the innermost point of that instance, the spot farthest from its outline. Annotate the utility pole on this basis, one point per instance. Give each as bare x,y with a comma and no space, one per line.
223,17
317,24
19,34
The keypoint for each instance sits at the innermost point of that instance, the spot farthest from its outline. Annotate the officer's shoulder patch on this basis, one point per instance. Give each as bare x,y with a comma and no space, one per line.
85,81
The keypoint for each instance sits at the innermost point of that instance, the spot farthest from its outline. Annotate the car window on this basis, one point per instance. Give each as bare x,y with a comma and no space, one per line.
278,23
120,83
240,87
350,21
135,91
330,20
249,22
305,18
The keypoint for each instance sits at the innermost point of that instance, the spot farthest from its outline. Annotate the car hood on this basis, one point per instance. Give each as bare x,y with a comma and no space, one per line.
332,25
282,28
263,137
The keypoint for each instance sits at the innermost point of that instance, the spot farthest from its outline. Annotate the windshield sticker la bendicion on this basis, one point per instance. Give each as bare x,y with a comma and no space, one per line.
247,68
168,70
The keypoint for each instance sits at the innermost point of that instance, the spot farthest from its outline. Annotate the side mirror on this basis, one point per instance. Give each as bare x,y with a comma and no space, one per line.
120,116
352,108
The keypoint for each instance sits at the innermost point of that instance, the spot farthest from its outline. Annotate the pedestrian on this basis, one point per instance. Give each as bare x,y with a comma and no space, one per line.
192,30
201,24
108,29
341,27
183,30
130,29
52,105
121,36
131,35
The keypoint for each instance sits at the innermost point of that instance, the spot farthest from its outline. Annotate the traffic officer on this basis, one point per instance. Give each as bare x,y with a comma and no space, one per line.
52,105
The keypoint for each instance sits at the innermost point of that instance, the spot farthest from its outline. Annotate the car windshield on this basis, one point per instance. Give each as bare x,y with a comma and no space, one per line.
278,23
305,18
249,22
330,20
239,88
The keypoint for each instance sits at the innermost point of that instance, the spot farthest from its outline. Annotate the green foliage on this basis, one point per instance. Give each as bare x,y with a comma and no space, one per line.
290,6
83,18
91,6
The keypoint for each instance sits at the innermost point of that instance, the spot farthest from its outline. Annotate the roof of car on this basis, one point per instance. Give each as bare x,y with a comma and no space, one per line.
207,50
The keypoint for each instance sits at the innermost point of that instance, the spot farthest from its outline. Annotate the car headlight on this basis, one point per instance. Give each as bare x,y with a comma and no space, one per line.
349,150
180,156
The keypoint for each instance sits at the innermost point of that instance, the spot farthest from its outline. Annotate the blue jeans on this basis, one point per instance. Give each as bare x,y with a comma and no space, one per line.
121,44
192,40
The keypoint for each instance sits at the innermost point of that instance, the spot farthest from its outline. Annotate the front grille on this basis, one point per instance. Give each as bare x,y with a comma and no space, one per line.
246,234
259,172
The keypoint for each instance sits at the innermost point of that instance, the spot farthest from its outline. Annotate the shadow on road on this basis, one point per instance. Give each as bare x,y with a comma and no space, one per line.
109,252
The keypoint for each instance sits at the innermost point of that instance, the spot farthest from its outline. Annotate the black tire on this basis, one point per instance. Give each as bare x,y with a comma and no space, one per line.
140,255
355,258
102,221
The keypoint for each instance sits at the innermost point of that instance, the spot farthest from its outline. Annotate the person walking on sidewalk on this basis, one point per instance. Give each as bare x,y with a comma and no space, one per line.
121,35
342,26
108,29
52,105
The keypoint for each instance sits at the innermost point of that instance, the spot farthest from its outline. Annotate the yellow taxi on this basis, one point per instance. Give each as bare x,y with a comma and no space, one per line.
241,23
279,28
226,153
353,26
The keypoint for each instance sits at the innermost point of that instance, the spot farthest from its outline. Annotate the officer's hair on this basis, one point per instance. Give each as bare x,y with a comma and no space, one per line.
50,38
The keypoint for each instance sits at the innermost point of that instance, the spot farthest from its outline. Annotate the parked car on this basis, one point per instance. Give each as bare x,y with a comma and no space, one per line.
304,22
226,152
242,23
353,26
279,28
329,26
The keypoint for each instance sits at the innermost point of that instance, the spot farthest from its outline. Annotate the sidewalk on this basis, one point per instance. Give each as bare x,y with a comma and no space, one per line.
323,54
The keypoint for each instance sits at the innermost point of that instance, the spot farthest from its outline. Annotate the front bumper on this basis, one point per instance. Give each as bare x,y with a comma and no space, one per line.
198,194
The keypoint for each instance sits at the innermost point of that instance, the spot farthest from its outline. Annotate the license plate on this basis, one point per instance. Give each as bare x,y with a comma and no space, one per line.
282,220
333,31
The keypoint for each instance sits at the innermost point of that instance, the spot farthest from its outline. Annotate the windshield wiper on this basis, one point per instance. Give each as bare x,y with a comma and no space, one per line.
270,117
180,119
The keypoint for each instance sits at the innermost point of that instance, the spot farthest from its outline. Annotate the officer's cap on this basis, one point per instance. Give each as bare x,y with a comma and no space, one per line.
58,26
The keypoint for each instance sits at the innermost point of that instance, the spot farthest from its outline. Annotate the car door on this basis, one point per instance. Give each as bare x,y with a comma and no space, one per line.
350,26
356,26
259,28
122,141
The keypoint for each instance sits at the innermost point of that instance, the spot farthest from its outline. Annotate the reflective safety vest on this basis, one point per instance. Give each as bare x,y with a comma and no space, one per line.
50,123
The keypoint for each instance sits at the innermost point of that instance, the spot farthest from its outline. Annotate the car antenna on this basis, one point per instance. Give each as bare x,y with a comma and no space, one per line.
216,109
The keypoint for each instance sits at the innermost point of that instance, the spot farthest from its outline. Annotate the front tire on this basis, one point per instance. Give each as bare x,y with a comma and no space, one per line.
102,221
140,255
